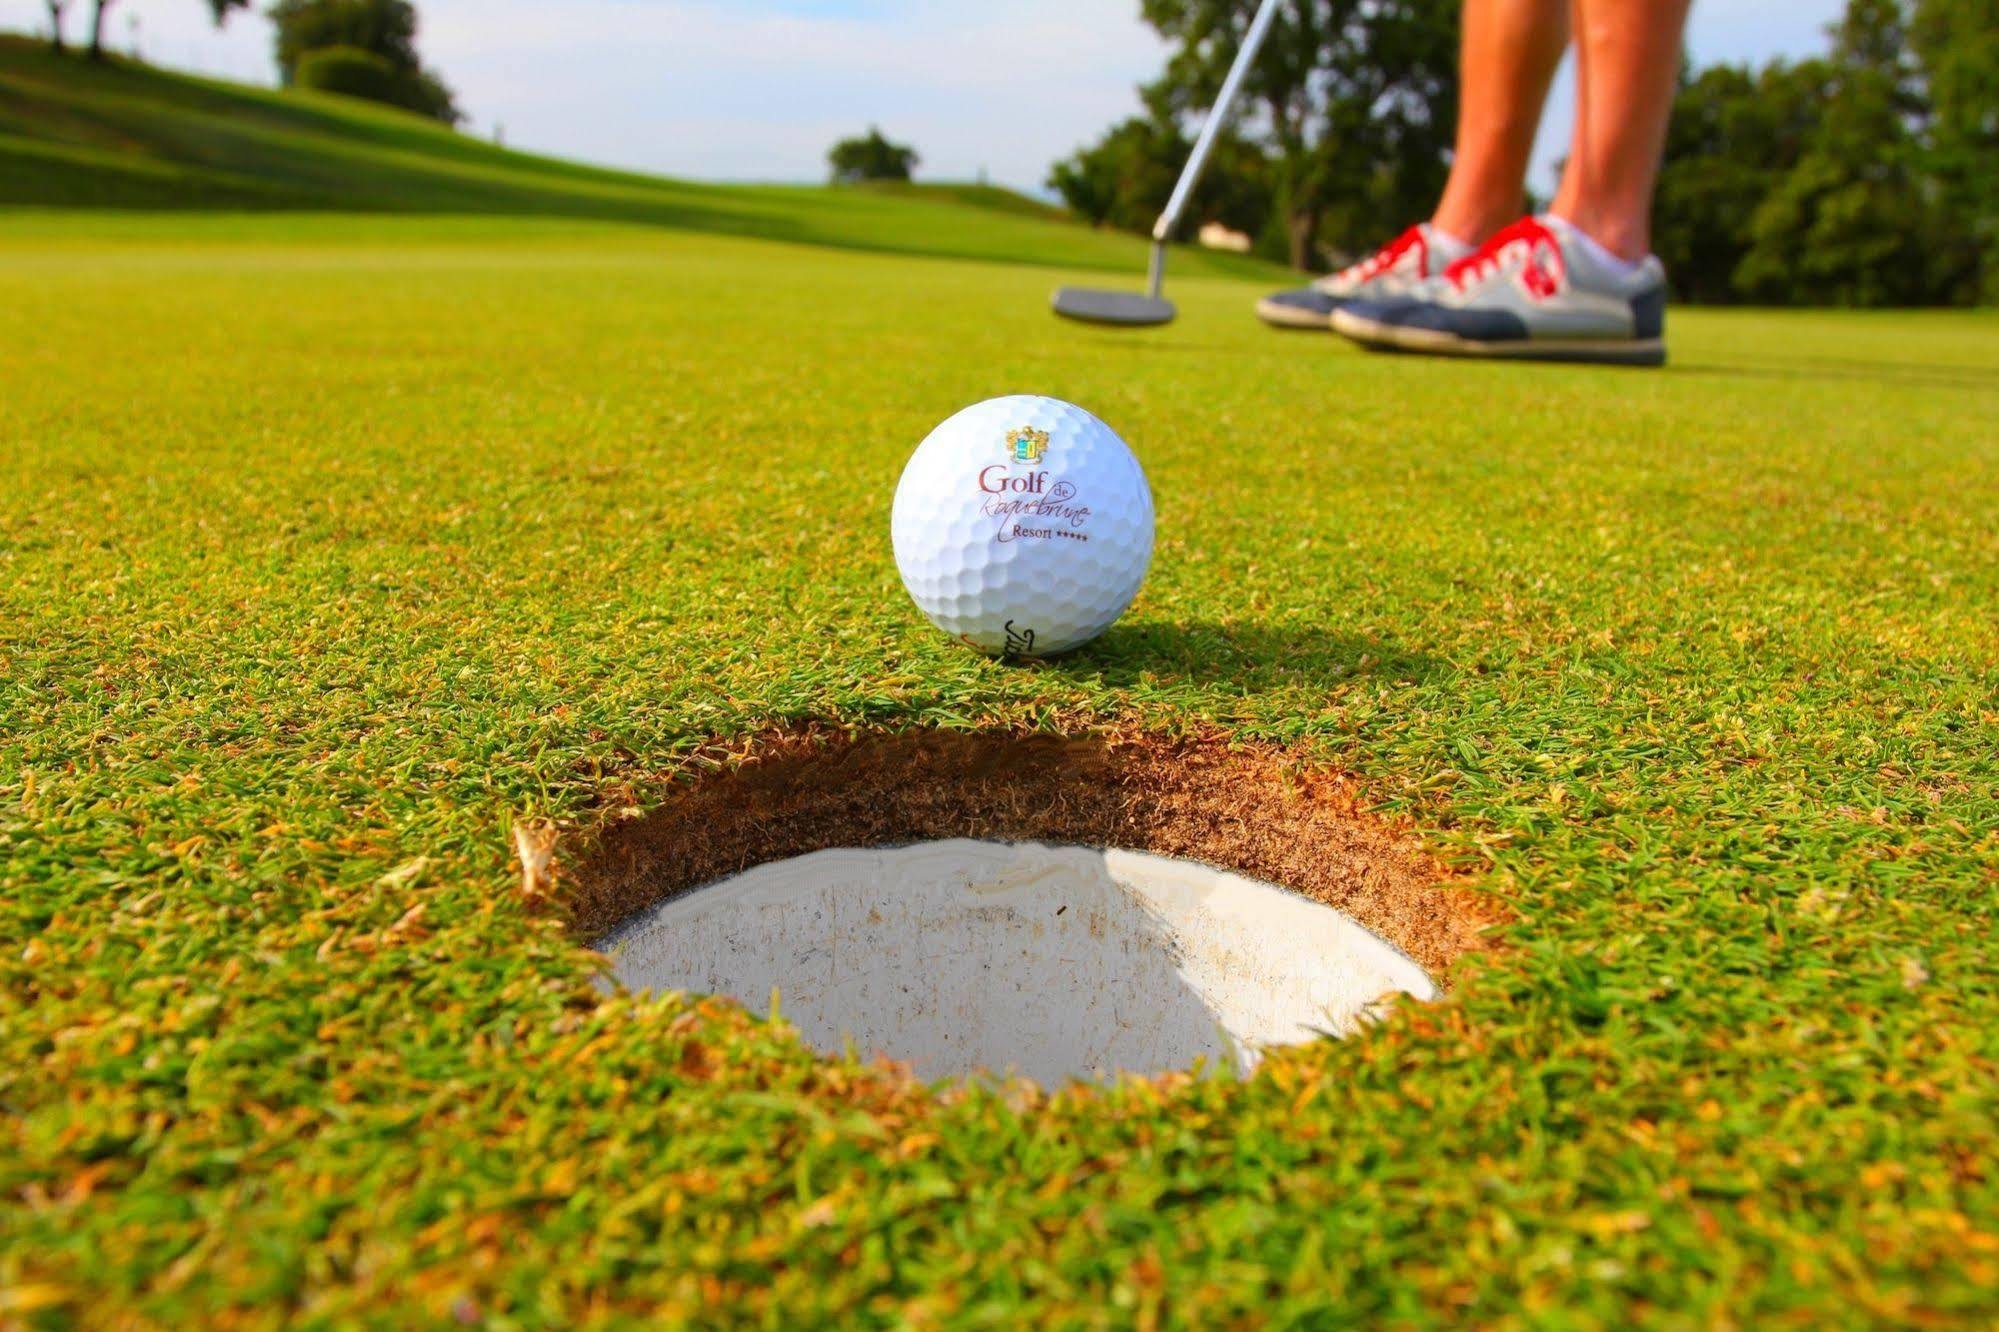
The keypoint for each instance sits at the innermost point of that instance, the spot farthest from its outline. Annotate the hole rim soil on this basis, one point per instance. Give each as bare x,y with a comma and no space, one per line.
1265,811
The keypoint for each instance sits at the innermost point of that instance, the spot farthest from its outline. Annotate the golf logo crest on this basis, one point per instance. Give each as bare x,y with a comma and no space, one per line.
1027,445
1027,501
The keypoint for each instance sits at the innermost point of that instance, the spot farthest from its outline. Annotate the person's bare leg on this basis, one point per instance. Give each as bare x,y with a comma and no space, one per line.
1627,63
1508,51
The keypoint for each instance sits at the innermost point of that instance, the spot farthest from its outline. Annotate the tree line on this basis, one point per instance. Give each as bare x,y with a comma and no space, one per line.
363,48
59,13
1868,175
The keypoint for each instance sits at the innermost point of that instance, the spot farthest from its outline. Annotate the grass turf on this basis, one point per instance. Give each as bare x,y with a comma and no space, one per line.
334,549
335,545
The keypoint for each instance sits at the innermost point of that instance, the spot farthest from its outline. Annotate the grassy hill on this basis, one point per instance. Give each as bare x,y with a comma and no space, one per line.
122,136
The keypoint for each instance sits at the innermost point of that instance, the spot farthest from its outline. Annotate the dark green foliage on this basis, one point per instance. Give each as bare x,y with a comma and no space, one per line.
1353,102
386,27
383,29
1862,178
349,70
871,157
1957,44
1125,179
1345,120
358,73
1857,221
1735,134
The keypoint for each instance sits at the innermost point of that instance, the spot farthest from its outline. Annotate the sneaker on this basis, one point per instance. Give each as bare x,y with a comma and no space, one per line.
1535,291
1418,253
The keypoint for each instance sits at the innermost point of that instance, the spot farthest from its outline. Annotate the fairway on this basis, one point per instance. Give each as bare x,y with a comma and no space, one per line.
333,547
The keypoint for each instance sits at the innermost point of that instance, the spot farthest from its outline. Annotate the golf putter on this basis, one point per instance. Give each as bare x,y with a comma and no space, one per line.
1129,309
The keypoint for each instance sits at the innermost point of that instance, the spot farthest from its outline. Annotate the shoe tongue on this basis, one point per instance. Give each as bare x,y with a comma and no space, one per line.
1577,243
1560,228
1527,229
1441,244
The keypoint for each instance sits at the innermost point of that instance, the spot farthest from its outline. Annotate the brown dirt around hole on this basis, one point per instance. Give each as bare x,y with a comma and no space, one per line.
1259,810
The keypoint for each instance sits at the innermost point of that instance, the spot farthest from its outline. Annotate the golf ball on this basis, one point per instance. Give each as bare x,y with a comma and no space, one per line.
1022,526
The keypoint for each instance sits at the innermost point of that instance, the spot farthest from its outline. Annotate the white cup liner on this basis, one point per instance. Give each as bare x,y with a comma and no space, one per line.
1052,962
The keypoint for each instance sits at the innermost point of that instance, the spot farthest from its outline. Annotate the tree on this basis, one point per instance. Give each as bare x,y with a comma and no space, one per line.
356,73
1125,179
383,29
1858,220
1734,134
871,157
97,13
221,9
1859,178
1355,102
56,8
1957,45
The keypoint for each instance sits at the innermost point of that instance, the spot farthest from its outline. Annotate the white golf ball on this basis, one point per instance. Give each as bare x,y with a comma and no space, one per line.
1023,526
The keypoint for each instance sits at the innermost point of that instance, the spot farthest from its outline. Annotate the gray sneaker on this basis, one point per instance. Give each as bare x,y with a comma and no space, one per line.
1391,271
1532,292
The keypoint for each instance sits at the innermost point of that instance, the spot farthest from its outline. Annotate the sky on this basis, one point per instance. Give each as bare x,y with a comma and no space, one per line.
758,89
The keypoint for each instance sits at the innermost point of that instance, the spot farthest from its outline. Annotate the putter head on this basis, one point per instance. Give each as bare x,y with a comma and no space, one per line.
1126,309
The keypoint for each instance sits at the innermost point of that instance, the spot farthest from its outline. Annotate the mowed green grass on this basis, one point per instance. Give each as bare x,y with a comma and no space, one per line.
331,547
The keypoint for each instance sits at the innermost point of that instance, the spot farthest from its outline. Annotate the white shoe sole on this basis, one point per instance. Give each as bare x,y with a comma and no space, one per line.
1435,342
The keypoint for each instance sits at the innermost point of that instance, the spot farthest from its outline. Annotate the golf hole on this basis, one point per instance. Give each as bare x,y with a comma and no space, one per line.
1051,962
1056,908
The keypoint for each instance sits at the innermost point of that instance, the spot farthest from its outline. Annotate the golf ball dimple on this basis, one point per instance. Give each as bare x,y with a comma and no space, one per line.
1022,526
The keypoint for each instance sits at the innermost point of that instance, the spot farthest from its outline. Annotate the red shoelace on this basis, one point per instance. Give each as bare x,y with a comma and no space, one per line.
1389,255
1528,239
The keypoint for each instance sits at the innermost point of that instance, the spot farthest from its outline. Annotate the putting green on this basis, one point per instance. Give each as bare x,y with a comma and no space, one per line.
333,547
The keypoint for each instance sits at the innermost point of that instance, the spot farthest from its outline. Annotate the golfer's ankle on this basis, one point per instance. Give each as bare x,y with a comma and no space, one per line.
1474,215
1474,222
1616,230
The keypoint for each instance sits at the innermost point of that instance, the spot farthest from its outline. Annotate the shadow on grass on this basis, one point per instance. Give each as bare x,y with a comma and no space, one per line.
1909,374
1247,656
1135,342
